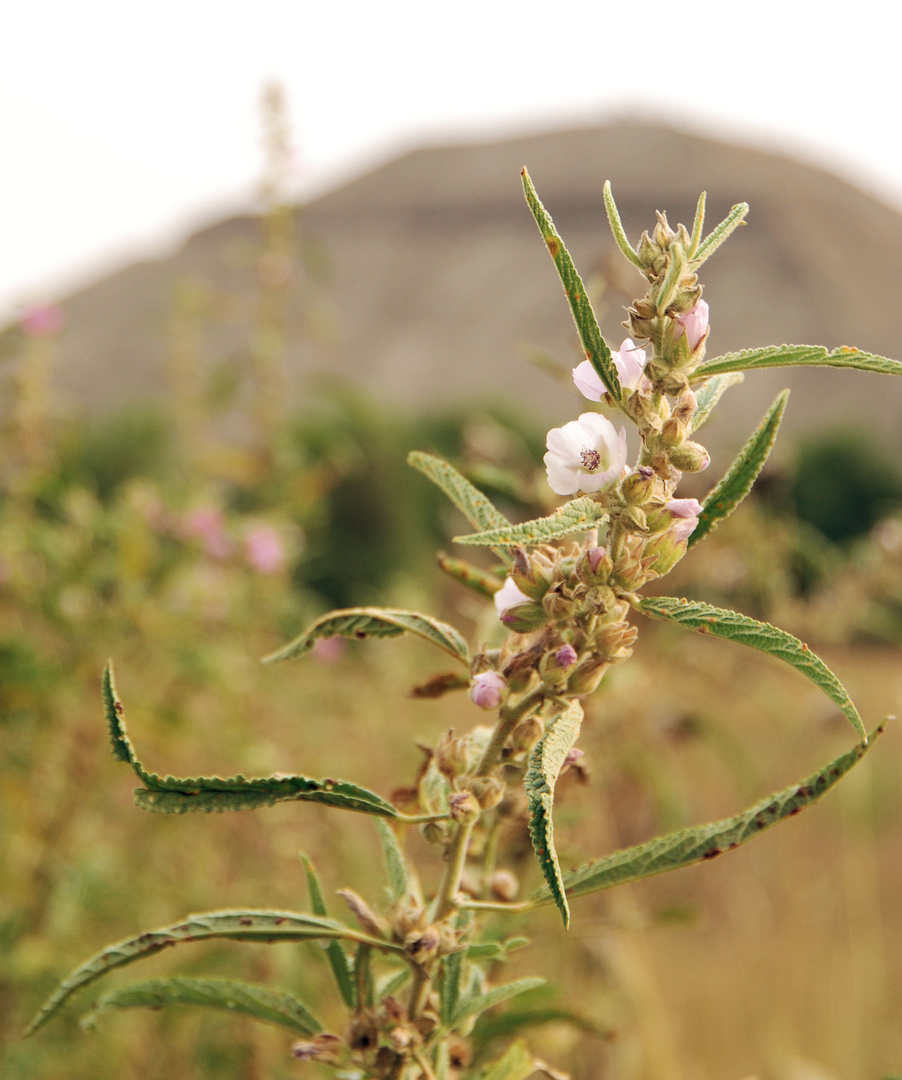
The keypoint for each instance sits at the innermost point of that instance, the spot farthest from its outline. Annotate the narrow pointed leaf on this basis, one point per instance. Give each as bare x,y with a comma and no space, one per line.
737,482
620,237
265,927
698,225
694,845
480,581
469,500
719,233
363,976
453,968
400,882
577,515
596,350
706,619
798,356
516,1063
479,1003
545,763
367,622
710,393
337,957
216,794
258,1002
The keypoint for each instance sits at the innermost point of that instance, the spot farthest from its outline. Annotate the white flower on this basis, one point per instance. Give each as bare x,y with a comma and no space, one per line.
630,362
585,455
488,690
509,596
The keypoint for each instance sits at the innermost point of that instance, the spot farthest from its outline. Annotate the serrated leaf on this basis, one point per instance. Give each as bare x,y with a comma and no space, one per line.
469,500
798,356
365,622
719,234
479,1003
620,237
400,882
545,763
599,355
216,794
694,845
259,926
709,394
516,1063
698,225
472,577
737,482
337,957
706,619
258,1002
575,516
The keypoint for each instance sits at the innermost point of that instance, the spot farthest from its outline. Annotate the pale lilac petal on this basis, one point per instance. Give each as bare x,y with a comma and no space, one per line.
487,690
630,361
509,596
588,381
684,508
695,324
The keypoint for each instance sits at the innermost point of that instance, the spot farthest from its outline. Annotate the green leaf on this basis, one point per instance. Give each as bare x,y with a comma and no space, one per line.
400,883
511,1020
259,1002
578,515
693,845
617,228
479,1003
259,926
174,795
737,482
797,356
709,393
480,581
364,622
706,619
337,957
363,975
495,950
469,500
719,233
545,763
586,324
516,1063
698,225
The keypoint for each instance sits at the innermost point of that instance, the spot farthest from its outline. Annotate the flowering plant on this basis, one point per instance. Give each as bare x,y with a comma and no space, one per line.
414,976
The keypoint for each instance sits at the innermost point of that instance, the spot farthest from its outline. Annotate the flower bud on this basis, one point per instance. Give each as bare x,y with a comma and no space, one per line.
639,485
673,433
558,606
487,791
504,885
565,657
526,734
594,567
464,808
488,691
588,675
690,457
532,575
435,832
524,618
695,324
633,519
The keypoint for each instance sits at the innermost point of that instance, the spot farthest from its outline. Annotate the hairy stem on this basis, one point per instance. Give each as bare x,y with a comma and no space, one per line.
509,720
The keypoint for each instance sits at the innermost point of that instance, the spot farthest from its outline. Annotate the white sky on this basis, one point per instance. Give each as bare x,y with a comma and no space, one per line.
125,125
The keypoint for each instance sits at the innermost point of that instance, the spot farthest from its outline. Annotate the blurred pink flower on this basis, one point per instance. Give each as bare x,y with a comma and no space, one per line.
328,649
488,690
207,524
264,549
42,320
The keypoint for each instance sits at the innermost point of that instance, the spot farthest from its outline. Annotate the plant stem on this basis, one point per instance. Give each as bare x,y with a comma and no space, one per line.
509,720
445,901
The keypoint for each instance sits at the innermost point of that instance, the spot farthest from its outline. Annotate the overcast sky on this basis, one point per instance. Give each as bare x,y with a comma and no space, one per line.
124,125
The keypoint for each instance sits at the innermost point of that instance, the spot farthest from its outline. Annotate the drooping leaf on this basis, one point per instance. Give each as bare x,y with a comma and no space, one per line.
797,356
207,794
481,581
719,233
475,1004
401,883
617,228
259,1002
259,926
575,516
693,845
545,763
737,482
709,393
516,1063
706,619
337,957
365,622
596,350
469,500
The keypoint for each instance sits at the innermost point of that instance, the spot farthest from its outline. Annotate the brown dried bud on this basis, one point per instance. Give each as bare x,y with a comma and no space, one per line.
363,913
420,945
400,1038
459,1054
363,1033
435,832
588,675
487,791
526,734
504,885
327,1049
464,808
451,755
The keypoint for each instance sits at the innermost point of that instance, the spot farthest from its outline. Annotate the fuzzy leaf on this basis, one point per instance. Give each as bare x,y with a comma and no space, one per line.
215,794
479,1003
545,763
516,1063
364,622
797,356
469,500
259,1002
620,237
706,619
719,233
259,926
737,482
596,350
709,393
577,515
338,959
400,884
480,581
693,845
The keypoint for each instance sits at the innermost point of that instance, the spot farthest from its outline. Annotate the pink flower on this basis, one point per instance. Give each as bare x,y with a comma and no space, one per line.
328,649
42,320
686,512
565,657
695,323
488,690
595,555
630,362
509,596
207,524
585,455
264,548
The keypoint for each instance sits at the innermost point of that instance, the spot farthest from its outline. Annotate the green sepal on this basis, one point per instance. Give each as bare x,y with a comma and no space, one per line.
737,482
620,237
258,1002
709,394
578,515
516,1063
679,849
719,234
337,957
469,500
707,619
545,763
596,350
797,356
366,622
265,927
216,794
474,1004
